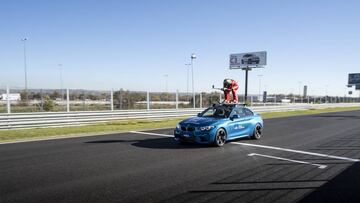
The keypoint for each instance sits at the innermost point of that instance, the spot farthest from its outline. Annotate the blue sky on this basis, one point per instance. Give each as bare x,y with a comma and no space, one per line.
133,44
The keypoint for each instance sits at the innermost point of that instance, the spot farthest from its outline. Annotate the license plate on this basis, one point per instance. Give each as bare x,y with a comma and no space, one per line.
186,135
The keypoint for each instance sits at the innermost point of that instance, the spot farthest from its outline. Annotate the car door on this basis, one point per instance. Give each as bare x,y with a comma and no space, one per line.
239,127
250,121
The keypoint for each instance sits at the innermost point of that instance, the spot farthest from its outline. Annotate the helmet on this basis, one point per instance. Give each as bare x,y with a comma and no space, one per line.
227,82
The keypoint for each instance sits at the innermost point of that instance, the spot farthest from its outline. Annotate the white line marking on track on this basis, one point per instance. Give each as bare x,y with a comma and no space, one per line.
267,147
297,151
147,133
320,166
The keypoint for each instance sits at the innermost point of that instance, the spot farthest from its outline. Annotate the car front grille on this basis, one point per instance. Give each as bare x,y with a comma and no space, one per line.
188,128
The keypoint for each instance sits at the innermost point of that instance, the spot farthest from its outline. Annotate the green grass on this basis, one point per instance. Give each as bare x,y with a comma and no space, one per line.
121,126
306,112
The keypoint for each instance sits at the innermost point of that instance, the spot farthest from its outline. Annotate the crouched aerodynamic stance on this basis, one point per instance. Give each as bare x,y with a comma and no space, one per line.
232,86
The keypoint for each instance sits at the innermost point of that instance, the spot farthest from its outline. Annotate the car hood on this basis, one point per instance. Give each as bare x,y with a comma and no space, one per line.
200,121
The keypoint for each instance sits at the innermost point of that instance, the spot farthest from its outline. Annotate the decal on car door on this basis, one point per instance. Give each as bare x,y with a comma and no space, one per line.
238,127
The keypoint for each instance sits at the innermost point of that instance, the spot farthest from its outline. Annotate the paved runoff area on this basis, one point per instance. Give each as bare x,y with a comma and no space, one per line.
312,158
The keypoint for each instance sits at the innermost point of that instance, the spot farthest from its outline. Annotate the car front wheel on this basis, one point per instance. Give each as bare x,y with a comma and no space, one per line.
220,138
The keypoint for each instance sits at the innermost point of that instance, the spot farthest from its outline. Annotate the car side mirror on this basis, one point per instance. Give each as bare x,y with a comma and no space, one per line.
199,115
235,116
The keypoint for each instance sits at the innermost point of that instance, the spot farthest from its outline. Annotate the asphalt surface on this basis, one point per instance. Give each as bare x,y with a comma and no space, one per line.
138,167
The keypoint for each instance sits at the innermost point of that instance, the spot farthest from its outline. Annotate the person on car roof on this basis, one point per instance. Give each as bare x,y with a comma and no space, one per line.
232,86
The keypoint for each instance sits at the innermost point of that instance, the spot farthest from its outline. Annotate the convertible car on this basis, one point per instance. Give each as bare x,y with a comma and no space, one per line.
218,124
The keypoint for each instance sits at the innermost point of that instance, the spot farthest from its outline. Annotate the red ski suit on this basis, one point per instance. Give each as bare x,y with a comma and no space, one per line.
232,87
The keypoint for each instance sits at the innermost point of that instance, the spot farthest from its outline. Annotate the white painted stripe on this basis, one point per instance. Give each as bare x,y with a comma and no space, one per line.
53,138
147,133
297,151
68,136
267,147
320,166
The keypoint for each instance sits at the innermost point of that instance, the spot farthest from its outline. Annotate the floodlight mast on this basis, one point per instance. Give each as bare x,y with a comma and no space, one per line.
166,82
193,56
61,81
187,79
25,68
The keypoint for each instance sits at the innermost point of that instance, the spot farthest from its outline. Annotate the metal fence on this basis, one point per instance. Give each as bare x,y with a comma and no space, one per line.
70,100
74,100
57,119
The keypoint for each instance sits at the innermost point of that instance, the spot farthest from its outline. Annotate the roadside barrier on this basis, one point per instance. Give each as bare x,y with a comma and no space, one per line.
59,119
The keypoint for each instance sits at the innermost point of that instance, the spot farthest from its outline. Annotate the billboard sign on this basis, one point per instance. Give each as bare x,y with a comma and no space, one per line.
354,78
11,97
250,59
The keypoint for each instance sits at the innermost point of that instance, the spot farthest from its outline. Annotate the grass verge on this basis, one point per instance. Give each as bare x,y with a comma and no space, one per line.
122,126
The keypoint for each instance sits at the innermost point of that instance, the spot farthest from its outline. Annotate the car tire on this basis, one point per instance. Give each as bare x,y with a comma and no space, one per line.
257,133
220,137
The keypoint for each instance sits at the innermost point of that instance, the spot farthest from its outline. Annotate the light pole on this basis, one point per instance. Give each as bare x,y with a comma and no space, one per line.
166,86
193,56
166,82
61,81
187,79
300,97
345,93
259,86
326,92
25,67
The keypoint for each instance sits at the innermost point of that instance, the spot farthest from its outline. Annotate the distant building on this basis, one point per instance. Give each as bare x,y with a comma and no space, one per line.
305,91
12,97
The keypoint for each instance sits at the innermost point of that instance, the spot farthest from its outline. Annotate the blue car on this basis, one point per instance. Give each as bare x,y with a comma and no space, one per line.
220,123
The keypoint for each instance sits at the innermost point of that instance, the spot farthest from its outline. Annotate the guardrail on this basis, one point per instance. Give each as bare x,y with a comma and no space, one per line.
58,119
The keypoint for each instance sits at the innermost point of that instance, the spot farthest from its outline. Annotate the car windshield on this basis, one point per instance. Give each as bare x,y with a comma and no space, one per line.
217,112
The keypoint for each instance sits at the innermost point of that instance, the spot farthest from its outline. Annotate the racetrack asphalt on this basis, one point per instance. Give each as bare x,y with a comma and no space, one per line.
299,159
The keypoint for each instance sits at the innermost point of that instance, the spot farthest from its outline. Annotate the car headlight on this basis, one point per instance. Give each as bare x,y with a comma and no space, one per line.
178,126
207,127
